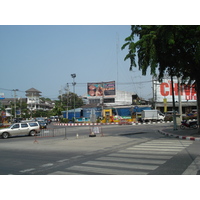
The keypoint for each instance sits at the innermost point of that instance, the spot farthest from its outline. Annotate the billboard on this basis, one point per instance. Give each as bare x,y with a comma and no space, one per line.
2,96
164,90
100,89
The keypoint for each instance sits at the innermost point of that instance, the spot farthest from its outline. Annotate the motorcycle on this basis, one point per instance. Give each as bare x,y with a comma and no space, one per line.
192,124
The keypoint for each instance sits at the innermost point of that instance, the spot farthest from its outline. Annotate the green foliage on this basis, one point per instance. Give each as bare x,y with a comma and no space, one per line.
170,49
68,100
168,118
64,120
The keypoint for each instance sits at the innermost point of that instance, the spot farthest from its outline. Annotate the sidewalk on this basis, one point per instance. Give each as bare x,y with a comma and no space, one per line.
188,133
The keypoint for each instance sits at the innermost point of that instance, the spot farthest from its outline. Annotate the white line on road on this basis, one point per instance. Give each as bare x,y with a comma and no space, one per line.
64,160
121,165
27,170
153,149
47,165
133,160
64,173
130,155
105,170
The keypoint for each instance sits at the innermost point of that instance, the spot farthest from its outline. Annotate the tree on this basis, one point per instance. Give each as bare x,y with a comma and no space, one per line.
57,110
68,100
174,50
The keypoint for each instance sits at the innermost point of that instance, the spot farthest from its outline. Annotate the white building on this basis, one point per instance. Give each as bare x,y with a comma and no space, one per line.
34,102
33,98
120,98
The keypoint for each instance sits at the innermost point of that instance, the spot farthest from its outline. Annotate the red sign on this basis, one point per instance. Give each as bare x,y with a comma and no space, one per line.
164,90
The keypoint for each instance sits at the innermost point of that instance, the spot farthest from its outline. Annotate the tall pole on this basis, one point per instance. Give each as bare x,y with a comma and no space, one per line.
102,100
67,100
179,99
174,106
15,100
32,105
74,83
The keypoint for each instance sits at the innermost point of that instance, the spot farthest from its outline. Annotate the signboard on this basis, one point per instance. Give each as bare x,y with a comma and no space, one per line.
164,91
100,89
2,96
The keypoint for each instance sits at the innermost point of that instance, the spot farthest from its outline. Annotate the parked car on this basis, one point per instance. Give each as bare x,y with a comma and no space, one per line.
17,129
47,121
42,124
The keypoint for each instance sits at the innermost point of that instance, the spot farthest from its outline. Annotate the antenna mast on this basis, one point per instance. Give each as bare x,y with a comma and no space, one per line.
117,48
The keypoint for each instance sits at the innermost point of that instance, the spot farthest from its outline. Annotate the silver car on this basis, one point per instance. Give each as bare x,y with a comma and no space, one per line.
17,129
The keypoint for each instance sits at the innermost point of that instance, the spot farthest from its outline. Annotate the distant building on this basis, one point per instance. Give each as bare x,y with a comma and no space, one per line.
121,98
33,99
33,102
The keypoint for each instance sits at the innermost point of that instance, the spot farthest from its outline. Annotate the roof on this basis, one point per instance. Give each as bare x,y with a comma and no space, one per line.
7,101
33,90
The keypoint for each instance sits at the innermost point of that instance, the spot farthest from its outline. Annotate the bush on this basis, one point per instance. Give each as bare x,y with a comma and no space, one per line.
169,118
189,117
64,120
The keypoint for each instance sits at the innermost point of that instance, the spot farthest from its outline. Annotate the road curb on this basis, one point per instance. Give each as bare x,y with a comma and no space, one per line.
179,136
112,123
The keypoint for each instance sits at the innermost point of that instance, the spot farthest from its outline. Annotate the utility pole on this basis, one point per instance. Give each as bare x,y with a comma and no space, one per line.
15,100
102,100
67,101
61,96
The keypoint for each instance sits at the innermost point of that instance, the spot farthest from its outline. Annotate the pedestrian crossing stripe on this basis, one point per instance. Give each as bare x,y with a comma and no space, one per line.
133,160
130,155
108,171
136,160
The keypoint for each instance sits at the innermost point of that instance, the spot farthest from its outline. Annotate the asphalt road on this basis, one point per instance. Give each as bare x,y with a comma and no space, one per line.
116,150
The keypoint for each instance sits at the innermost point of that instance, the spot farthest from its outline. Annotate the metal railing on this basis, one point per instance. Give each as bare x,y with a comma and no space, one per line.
52,132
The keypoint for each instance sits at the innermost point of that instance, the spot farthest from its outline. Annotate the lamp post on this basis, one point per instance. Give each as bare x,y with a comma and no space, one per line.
74,83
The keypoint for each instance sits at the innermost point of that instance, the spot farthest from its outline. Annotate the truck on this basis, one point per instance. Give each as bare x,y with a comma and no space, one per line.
152,115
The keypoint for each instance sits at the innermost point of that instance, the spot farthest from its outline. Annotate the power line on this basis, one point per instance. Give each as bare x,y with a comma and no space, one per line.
120,83
11,90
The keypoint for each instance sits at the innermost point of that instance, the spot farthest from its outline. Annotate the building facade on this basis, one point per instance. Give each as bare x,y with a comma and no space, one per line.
33,102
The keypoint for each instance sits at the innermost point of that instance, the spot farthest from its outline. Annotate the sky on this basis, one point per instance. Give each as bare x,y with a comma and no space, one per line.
43,42
45,56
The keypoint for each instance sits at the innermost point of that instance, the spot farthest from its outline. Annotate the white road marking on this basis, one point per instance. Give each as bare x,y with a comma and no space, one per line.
122,165
105,170
27,170
64,173
47,165
64,160
132,160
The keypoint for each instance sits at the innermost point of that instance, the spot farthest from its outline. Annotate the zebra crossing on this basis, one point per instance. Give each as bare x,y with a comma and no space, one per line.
136,160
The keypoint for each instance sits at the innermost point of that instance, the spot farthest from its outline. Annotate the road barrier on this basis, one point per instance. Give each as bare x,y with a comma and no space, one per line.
112,123
124,122
54,132
95,130
85,124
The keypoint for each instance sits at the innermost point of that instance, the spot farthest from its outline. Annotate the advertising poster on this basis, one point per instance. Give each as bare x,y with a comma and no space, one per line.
164,91
2,96
100,89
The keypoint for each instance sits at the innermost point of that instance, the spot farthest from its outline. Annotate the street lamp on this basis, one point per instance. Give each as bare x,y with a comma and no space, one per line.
74,83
